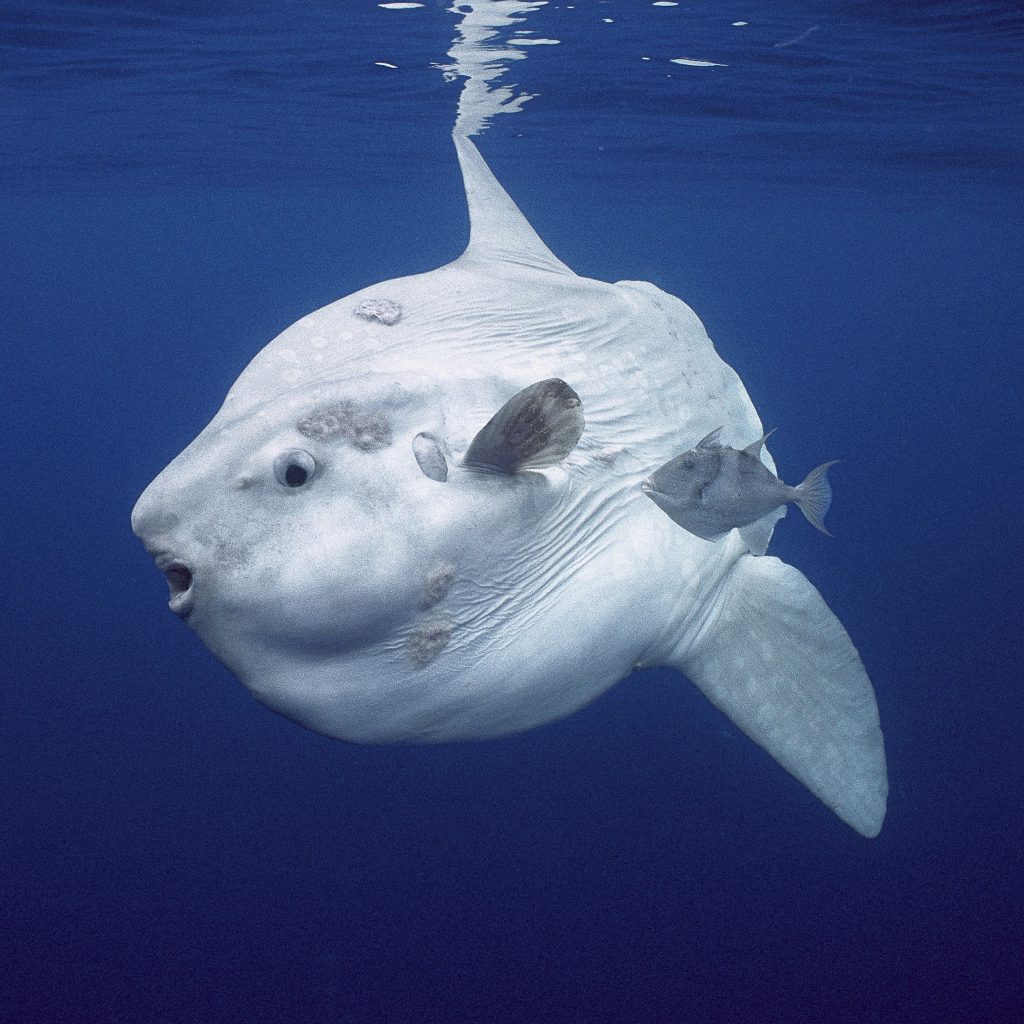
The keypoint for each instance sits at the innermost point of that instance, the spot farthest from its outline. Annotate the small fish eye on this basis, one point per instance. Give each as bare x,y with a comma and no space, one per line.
689,463
294,468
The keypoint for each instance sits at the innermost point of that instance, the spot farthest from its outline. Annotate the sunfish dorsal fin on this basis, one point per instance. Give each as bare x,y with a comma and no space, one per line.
498,232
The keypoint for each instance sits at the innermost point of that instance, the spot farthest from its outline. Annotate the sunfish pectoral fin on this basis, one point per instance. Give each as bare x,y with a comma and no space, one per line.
537,427
779,663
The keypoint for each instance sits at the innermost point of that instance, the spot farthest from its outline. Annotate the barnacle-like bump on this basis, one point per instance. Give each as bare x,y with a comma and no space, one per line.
384,311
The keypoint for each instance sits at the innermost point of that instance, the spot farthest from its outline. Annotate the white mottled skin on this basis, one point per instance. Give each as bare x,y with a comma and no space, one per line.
564,580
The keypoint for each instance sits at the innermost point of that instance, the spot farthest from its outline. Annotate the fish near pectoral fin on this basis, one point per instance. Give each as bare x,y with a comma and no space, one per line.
537,427
774,658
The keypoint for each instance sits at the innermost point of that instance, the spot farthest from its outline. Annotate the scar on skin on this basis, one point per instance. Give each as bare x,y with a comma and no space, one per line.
367,430
436,586
231,553
608,455
426,642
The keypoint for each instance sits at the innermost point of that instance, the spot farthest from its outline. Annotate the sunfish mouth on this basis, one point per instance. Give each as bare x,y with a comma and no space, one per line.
179,583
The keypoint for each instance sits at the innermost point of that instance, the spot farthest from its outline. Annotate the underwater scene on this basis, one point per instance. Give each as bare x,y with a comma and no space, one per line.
510,512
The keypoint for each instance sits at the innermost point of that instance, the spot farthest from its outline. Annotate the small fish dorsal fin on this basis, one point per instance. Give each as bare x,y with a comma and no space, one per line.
711,441
498,232
754,448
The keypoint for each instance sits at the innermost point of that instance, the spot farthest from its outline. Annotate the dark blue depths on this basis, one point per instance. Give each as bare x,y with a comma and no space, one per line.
173,852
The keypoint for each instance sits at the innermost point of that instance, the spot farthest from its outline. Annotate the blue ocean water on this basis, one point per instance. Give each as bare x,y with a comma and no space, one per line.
840,203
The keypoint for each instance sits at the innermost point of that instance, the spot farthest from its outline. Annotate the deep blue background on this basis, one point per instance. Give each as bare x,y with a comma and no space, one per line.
844,214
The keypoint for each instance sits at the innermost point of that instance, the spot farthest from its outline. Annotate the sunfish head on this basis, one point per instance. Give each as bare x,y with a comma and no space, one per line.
317,544
286,521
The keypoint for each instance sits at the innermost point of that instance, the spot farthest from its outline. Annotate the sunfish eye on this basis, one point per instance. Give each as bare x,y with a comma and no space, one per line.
294,468
689,463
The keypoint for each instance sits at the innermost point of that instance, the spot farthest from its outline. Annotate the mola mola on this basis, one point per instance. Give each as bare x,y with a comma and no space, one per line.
418,517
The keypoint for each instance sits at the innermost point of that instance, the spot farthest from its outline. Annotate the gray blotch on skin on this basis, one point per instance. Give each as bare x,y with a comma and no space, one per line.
367,430
608,455
385,311
436,586
426,642
231,553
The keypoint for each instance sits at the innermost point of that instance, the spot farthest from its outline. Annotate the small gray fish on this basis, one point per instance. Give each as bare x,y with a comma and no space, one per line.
712,488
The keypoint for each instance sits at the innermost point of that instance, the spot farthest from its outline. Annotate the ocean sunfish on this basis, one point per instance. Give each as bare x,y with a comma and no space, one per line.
712,488
417,517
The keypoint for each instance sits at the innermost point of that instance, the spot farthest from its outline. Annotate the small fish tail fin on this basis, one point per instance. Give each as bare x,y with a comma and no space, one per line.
814,496
769,653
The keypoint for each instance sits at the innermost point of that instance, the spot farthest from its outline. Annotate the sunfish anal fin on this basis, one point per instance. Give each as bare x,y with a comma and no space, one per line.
773,657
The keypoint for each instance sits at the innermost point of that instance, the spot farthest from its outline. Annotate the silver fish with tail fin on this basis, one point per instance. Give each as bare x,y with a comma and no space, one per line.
712,489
